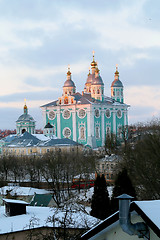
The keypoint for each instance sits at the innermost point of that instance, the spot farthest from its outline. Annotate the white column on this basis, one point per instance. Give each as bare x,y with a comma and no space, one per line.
44,116
114,121
92,120
102,127
74,123
58,122
88,121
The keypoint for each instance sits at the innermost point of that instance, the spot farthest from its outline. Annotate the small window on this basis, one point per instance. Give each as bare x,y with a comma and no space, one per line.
97,132
108,113
97,113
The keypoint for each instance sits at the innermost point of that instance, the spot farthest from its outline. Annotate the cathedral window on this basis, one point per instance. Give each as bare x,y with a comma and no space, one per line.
66,132
108,131
66,100
82,133
108,113
52,115
81,113
119,132
97,113
66,114
119,114
97,132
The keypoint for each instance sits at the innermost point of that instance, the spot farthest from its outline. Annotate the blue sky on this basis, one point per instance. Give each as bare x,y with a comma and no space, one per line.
38,39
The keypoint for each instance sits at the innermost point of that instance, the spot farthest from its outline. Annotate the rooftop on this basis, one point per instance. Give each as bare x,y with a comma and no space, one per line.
37,217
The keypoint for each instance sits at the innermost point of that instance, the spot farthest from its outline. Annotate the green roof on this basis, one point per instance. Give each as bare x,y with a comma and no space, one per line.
41,200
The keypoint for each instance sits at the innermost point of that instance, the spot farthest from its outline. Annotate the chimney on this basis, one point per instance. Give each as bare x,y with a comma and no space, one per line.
140,229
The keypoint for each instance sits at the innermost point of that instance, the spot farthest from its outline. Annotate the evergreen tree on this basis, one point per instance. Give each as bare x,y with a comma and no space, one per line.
122,185
100,205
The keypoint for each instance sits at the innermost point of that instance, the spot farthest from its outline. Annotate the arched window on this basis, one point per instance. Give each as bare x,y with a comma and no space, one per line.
82,133
97,132
98,91
66,100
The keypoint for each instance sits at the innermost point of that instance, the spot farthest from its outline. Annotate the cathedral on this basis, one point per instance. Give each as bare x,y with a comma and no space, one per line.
87,117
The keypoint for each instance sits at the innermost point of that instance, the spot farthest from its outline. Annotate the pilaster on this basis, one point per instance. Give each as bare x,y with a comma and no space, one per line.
58,122
74,123
102,127
114,121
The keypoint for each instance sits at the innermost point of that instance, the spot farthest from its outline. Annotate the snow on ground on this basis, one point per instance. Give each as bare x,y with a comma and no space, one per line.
22,191
43,216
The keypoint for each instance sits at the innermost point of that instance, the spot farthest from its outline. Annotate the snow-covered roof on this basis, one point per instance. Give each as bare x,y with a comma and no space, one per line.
41,137
22,191
148,210
37,217
24,140
151,210
14,201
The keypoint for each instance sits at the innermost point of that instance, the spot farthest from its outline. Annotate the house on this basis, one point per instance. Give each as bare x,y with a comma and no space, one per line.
139,219
28,144
108,166
43,200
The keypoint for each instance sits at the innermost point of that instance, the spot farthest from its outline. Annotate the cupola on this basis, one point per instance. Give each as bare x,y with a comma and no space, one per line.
48,130
117,87
69,87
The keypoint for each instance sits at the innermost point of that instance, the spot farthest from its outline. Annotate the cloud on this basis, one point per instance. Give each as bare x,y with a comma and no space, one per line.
15,78
144,100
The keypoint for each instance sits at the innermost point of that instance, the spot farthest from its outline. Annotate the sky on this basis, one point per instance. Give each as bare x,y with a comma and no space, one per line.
38,39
